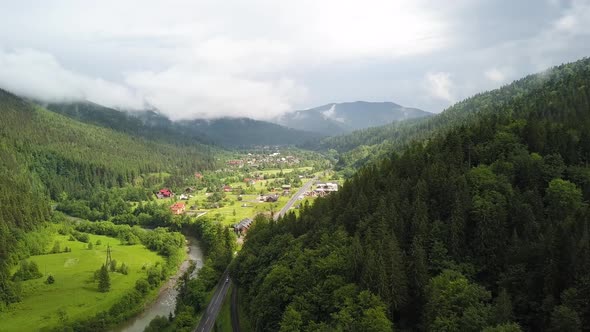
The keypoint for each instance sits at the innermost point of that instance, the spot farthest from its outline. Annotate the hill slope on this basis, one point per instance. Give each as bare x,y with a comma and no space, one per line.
244,132
360,147
338,118
482,227
227,132
74,157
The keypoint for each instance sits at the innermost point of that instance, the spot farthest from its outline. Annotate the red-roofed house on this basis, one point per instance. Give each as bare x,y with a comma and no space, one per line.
177,208
163,193
227,189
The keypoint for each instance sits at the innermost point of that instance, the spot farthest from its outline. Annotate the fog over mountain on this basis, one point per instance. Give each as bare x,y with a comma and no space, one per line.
337,118
261,59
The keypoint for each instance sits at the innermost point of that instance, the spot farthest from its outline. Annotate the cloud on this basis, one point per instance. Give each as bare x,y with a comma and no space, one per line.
439,85
183,94
495,75
205,58
261,58
38,75
331,114
575,19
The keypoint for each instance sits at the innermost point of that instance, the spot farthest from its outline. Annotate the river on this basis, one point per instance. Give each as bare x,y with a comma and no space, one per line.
166,300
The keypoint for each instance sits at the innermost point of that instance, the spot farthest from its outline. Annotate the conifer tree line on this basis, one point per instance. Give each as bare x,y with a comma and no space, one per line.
483,226
76,158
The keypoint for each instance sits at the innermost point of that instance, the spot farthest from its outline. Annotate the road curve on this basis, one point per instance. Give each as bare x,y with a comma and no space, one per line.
210,315
294,198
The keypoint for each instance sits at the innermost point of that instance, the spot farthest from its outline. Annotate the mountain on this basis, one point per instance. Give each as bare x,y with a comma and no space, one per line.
75,157
338,118
483,226
356,149
149,124
46,157
245,132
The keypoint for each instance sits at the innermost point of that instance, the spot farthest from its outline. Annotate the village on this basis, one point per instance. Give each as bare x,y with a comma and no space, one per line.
234,196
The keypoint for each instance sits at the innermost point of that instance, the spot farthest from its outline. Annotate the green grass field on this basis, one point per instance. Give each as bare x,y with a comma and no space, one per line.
233,210
74,292
285,170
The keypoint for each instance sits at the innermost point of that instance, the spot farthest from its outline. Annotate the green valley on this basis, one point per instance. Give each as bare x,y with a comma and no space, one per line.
74,294
249,167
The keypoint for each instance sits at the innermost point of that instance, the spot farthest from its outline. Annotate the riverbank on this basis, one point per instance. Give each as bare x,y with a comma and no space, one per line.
165,302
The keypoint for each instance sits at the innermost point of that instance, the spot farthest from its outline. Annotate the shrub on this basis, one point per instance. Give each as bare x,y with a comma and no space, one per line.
27,271
123,269
50,280
142,286
56,248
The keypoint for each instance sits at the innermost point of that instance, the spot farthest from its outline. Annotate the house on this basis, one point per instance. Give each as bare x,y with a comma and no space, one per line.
189,189
326,187
272,198
183,197
243,226
249,181
286,187
177,208
198,176
164,193
227,188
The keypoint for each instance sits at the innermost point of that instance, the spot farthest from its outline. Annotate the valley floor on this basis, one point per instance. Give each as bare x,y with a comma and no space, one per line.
75,295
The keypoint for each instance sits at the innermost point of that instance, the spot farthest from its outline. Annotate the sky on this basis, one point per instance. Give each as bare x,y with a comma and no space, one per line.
264,58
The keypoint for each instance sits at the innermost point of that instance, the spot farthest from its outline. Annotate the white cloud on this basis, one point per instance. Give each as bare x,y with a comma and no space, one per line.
331,114
38,75
181,93
575,19
260,58
206,58
440,86
495,75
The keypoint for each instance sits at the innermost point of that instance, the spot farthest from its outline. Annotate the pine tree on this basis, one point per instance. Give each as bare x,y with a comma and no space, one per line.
104,280
502,310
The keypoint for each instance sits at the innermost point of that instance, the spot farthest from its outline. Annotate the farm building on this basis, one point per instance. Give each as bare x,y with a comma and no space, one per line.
243,226
178,208
164,193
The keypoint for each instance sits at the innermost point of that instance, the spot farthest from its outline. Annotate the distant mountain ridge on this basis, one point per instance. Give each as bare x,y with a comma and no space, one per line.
339,118
227,132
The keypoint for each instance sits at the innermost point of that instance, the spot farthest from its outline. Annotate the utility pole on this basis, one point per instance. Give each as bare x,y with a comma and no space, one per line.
109,258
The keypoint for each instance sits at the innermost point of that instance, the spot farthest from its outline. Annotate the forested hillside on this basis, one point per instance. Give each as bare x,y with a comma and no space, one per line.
356,149
147,124
74,157
23,206
150,125
482,227
244,132
44,155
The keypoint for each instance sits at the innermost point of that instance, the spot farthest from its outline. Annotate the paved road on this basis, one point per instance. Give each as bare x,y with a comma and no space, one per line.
295,197
210,315
235,318
208,320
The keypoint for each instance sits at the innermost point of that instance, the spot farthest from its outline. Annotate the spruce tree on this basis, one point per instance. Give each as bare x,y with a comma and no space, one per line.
104,280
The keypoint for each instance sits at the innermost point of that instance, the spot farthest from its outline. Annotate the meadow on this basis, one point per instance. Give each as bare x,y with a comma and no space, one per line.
75,295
